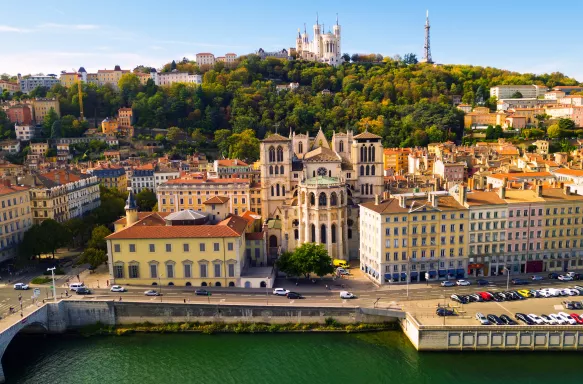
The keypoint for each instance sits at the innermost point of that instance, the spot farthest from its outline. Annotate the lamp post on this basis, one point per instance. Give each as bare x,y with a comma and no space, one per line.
267,291
160,285
54,289
507,277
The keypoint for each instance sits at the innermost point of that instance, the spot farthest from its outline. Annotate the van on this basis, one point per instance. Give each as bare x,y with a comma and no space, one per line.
340,263
75,286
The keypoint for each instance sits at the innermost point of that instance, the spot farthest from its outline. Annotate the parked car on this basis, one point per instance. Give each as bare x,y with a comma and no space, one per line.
342,271
83,291
347,295
497,297
507,320
579,288
568,304
463,282
558,319
577,318
482,282
202,292
447,283
567,318
565,278
486,296
536,278
75,286
535,319
577,305
21,286
553,275
445,312
294,295
474,297
571,291
460,299
280,291
575,276
152,292
548,320
522,317
482,319
495,319
117,288
519,282
524,293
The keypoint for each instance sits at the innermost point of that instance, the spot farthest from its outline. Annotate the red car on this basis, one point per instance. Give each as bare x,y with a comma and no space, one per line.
577,318
485,295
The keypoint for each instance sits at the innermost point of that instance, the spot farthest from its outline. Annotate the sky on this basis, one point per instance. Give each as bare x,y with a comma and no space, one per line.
47,36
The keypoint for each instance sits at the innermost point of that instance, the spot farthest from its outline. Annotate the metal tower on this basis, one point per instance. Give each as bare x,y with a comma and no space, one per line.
427,47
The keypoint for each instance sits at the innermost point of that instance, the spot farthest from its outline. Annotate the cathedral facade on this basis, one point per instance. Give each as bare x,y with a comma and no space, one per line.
324,48
311,188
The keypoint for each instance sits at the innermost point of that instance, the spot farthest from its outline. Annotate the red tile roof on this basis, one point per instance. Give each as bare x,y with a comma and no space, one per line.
231,163
5,190
217,200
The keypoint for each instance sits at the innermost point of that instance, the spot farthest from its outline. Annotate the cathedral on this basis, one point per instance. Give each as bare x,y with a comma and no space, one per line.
325,47
311,188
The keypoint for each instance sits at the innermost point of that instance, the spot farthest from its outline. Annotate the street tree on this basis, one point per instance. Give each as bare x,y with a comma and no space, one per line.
98,236
146,200
554,131
306,259
92,256
48,121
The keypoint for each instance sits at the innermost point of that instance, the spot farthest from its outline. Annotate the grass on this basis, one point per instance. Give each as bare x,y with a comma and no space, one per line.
331,325
40,280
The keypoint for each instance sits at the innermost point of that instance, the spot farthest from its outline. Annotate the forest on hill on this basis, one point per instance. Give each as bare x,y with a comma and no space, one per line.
408,104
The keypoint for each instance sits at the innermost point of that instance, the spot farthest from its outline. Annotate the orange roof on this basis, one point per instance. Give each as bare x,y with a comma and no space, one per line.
141,216
5,189
231,162
217,200
570,172
251,216
510,176
62,175
254,236
204,53
145,167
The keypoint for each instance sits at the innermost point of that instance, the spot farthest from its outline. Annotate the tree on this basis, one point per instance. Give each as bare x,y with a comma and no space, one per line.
516,95
54,235
435,134
554,131
566,125
146,199
244,146
355,58
98,236
173,65
174,134
531,148
346,57
56,130
129,85
410,58
48,121
92,256
541,118
306,259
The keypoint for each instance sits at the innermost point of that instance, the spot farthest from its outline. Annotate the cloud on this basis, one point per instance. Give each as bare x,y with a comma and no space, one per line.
76,27
7,28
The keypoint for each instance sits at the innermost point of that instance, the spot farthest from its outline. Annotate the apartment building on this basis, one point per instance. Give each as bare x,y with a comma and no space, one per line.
25,132
205,58
9,86
42,106
10,146
169,78
142,178
15,216
527,91
396,159
29,83
111,177
20,114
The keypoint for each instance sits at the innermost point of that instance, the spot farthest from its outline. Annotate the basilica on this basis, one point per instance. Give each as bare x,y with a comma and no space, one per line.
325,48
311,188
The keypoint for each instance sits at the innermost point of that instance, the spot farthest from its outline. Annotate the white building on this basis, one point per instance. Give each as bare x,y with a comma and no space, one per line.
10,146
31,82
325,47
82,195
527,91
162,175
25,132
169,78
554,95
205,58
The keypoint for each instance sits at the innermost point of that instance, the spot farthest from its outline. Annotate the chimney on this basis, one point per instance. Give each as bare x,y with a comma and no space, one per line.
402,202
539,190
463,194
377,199
502,192
567,190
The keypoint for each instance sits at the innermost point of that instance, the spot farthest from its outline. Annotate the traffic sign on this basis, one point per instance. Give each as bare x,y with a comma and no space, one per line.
36,292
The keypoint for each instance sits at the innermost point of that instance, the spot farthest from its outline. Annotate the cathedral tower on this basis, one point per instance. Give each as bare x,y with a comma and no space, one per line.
336,30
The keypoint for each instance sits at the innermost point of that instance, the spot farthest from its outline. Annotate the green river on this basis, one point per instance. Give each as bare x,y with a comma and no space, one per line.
385,357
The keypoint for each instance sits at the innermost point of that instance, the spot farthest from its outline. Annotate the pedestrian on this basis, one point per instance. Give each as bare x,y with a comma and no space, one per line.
66,292
108,283
184,301
326,286
21,315
120,298
78,278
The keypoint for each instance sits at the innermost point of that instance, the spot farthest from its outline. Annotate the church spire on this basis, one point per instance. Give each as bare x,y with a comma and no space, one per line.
336,18
317,21
305,29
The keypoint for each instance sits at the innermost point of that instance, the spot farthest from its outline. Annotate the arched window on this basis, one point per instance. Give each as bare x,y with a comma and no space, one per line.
312,199
271,154
372,171
323,234
341,146
281,169
271,169
301,147
296,234
322,200
367,170
295,223
272,194
361,189
371,153
283,190
279,154
333,233
362,154
273,241
333,199
277,189
313,233
362,170
276,170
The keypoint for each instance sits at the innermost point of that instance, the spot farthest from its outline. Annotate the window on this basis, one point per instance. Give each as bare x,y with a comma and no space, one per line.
217,270
230,246
231,270
118,271
201,247
134,271
203,270
187,270
116,248
152,248
186,247
168,247
216,247
153,271
132,247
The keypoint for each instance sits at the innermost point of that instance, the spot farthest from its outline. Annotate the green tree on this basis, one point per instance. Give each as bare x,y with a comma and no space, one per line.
92,256
56,130
129,85
346,57
435,134
310,258
146,199
244,146
410,58
531,148
174,134
516,95
222,141
48,121
98,236
554,131
566,125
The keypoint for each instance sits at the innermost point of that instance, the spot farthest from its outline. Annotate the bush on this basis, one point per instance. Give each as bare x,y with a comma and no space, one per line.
58,271
331,322
40,280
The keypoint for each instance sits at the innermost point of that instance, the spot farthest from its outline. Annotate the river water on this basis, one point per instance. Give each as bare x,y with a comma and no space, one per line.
385,357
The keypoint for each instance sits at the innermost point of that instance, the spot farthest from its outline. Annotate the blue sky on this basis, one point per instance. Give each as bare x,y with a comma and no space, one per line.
50,36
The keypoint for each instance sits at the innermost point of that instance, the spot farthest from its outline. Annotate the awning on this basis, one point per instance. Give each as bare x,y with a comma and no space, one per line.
461,270
395,276
387,275
432,273
442,272
403,275
451,271
414,274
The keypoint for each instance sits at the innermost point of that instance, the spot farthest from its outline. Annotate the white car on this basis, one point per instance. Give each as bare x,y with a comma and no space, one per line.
342,271
548,320
558,319
565,278
550,292
152,292
117,288
567,318
535,319
20,286
462,282
571,291
280,292
347,295
482,319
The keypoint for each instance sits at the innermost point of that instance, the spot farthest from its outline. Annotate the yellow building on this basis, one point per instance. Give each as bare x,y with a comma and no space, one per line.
109,126
396,159
414,236
481,116
42,106
192,191
112,177
15,217
110,76
68,78
179,249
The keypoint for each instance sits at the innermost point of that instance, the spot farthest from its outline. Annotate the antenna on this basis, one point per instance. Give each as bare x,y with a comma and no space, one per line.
427,47
337,18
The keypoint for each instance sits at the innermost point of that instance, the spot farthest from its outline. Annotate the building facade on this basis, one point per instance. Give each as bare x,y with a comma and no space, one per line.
15,216
324,48
42,106
31,82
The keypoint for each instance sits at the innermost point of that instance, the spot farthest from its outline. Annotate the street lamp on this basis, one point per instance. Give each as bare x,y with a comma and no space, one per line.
54,289
160,285
507,277
267,290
